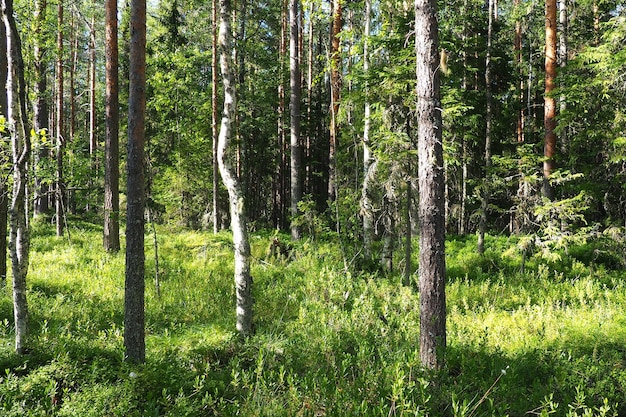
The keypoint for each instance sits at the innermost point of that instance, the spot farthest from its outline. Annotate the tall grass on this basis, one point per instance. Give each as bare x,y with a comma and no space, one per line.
546,341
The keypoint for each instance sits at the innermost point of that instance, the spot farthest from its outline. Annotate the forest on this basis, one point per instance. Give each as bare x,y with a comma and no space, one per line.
313,208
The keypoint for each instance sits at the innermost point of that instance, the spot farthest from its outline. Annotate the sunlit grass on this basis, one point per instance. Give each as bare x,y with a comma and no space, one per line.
328,341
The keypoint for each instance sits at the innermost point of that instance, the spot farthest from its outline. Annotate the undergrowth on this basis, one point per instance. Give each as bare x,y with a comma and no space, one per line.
542,338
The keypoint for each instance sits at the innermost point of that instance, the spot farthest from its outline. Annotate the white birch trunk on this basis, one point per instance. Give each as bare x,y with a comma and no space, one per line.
243,281
19,237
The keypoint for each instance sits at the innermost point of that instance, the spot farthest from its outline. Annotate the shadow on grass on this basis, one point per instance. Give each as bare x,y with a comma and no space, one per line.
526,383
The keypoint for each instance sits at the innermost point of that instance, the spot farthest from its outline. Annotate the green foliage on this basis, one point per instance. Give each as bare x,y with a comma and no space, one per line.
328,341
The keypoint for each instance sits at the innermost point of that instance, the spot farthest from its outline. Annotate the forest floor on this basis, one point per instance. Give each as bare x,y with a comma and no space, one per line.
539,337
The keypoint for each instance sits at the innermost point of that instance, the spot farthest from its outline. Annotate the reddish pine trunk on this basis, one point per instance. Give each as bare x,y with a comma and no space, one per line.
549,150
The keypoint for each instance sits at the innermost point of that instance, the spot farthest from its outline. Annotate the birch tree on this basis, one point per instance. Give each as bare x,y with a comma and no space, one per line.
368,160
20,143
4,160
243,280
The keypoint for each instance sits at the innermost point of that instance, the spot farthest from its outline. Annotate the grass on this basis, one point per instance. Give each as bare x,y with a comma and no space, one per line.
546,341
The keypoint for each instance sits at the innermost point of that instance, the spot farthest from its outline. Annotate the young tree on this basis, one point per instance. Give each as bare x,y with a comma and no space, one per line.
549,150
111,144
294,112
431,211
243,280
134,327
20,144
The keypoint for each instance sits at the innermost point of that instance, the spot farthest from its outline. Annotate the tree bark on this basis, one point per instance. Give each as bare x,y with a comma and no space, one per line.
563,24
549,150
4,161
214,114
280,185
368,159
517,48
60,140
335,95
294,113
111,237
134,320
40,108
243,280
431,211
93,144
484,204
20,144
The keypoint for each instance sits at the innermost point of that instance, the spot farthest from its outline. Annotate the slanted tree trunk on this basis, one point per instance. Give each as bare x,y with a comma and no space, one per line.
134,319
432,272
243,281
294,113
549,120
335,95
111,238
484,204
368,159
60,140
40,108
20,144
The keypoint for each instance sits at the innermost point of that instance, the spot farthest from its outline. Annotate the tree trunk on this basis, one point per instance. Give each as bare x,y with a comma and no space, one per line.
111,238
20,144
408,244
484,204
294,113
40,108
390,237
517,48
368,160
309,104
280,186
243,281
4,161
92,95
563,23
134,328
214,114
60,145
432,272
335,95
549,120
73,69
